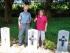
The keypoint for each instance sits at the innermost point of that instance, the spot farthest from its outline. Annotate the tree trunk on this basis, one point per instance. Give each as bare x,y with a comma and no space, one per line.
47,3
8,9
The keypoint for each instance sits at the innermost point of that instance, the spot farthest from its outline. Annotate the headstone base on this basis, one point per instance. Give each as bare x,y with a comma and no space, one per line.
61,52
32,47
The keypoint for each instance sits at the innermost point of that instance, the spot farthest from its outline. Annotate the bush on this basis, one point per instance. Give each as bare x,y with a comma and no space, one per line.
60,9
49,44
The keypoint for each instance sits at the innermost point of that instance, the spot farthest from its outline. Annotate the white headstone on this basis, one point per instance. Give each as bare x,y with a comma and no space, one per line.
5,37
32,38
62,44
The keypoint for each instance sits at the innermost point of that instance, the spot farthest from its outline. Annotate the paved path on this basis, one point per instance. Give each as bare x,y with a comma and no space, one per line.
22,49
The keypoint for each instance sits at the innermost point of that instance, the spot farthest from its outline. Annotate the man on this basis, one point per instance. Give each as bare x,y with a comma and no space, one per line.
24,22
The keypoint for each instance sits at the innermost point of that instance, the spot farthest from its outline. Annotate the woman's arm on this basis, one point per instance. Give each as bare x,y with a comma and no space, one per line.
46,26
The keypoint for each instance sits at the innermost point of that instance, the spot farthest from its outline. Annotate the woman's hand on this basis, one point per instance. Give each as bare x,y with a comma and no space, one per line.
35,19
45,30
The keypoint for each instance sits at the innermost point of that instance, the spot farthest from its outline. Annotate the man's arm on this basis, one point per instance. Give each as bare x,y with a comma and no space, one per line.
19,20
19,23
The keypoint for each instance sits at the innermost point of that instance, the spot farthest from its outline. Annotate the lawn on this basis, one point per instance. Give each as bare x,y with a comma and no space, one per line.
54,25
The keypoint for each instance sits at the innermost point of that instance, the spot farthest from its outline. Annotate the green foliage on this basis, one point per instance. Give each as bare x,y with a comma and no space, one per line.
16,9
49,44
34,7
16,6
60,6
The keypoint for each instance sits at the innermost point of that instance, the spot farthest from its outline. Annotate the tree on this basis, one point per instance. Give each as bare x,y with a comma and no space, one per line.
47,6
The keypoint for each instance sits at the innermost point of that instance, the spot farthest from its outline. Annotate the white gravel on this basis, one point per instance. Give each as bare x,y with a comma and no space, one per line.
22,49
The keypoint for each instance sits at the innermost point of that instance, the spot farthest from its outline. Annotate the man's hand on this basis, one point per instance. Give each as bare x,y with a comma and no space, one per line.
20,26
19,23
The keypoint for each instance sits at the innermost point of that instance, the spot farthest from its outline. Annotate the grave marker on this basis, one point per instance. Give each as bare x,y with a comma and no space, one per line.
5,37
32,38
62,44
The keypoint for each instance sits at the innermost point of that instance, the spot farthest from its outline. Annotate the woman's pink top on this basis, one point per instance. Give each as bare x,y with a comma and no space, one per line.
41,22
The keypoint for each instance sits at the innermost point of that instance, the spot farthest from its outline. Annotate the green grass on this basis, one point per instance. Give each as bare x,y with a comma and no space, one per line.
54,25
